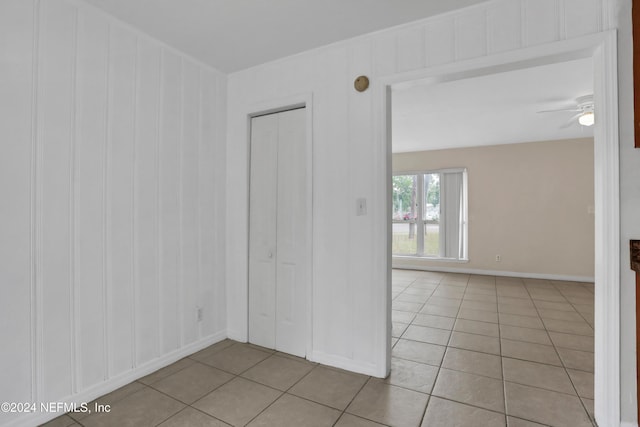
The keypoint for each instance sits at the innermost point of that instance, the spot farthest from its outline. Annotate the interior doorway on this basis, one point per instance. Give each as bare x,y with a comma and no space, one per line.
278,216
601,49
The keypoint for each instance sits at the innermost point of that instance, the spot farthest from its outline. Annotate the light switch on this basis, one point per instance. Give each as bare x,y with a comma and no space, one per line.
361,206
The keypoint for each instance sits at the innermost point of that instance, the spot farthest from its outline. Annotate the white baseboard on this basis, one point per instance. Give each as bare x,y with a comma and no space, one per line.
344,363
495,273
628,424
37,418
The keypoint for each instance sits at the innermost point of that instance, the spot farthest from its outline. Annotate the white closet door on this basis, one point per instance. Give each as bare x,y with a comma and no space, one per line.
277,235
262,230
291,236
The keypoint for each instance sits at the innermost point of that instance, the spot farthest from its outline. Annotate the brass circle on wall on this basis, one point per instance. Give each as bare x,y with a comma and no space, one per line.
361,83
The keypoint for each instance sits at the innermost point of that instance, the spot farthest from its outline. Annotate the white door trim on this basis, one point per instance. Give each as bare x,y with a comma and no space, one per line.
267,107
602,48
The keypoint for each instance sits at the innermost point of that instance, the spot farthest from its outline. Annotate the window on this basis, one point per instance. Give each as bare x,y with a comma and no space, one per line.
430,214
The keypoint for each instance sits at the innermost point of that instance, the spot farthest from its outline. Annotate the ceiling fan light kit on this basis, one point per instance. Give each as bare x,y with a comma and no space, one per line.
587,118
584,108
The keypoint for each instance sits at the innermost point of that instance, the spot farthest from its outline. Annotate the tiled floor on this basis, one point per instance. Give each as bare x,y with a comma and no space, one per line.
467,351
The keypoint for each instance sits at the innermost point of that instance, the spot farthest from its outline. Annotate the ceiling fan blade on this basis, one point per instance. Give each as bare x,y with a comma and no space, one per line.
560,110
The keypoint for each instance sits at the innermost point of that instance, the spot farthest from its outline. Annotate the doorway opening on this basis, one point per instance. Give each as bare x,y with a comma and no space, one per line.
601,51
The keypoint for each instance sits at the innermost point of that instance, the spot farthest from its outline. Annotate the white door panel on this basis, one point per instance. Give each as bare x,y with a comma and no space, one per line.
262,231
277,246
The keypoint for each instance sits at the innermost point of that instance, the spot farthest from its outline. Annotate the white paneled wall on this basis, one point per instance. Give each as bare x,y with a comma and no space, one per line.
347,294
112,185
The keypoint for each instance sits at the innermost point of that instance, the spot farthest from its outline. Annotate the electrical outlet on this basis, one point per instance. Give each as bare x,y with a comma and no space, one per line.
199,314
498,258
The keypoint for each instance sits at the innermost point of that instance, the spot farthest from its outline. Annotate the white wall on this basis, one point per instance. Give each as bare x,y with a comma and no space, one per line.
348,260
531,203
112,187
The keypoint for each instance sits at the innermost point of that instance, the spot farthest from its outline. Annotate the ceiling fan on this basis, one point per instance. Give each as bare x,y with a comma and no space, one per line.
583,109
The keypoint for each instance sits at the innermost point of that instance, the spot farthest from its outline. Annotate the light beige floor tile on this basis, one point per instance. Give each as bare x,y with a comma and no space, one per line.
519,422
445,413
575,359
547,314
419,299
329,387
480,315
438,310
530,351
517,310
204,353
418,291
561,306
472,389
537,375
166,371
348,420
236,359
475,342
451,292
61,421
397,329
432,321
111,398
394,341
192,418
278,372
521,321
472,295
588,404
388,404
544,406
426,334
293,411
406,306
193,382
238,401
480,305
473,362
476,327
567,327
412,375
444,302
555,297
144,408
583,381
402,316
430,354
537,336
571,341
519,302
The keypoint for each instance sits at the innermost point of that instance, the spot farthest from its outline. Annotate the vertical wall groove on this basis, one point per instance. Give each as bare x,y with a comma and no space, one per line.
159,241
561,16
180,289
73,211
199,206
107,260
134,268
34,252
104,210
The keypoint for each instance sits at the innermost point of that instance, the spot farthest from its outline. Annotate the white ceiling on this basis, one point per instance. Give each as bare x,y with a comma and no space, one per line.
231,35
493,109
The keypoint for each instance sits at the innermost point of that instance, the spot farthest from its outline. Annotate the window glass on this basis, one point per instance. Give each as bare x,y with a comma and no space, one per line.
405,197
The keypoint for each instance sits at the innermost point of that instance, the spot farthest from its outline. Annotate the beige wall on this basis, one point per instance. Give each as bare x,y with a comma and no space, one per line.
531,203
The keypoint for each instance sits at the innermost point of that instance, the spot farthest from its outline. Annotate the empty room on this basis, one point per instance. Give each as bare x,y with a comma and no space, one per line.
217,212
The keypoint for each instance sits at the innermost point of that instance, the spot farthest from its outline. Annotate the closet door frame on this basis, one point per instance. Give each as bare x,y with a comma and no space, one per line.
304,100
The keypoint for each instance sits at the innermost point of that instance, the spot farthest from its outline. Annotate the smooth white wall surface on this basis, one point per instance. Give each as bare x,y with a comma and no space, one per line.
112,187
531,203
347,264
